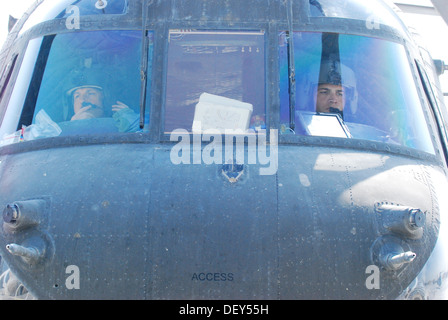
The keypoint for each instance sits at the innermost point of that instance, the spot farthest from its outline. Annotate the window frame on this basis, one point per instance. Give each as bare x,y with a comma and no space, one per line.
321,140
263,30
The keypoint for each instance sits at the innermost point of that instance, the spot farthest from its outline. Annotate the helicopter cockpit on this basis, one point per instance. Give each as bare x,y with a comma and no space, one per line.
381,99
93,92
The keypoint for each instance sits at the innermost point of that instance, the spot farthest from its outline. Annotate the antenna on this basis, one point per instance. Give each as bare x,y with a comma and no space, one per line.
101,4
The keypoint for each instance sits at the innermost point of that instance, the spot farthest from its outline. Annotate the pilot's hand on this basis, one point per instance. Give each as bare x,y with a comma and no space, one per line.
119,106
83,113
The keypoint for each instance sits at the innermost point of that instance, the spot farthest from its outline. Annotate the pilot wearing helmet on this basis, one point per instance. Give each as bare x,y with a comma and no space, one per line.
88,102
336,88
330,98
87,99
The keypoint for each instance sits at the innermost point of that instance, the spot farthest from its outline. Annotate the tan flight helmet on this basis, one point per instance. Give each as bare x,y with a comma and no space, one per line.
89,78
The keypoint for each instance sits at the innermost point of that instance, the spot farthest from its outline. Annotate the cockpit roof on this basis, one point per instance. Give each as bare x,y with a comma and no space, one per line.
359,16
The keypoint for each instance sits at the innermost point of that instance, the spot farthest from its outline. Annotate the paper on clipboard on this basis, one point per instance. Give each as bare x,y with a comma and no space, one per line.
324,124
221,113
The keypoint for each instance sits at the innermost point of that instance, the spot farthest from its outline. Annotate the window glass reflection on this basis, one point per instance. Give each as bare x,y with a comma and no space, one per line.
215,79
367,82
84,83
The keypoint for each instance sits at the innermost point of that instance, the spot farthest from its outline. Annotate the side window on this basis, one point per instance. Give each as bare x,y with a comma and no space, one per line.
215,80
83,83
353,87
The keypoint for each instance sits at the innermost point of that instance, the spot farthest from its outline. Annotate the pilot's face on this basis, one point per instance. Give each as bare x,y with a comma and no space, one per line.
330,96
88,103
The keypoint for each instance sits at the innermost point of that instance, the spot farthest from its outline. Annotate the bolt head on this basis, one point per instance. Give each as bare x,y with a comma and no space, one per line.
10,213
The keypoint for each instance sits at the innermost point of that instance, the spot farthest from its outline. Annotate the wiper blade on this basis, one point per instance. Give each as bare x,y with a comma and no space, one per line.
291,67
144,63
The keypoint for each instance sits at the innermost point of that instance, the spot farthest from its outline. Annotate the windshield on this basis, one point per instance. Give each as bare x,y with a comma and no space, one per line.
215,79
82,83
353,87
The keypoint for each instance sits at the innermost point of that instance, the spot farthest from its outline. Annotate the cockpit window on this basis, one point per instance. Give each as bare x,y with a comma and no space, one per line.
215,80
353,87
82,83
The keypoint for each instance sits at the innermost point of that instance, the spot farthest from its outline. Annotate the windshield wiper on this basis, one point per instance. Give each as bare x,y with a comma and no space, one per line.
144,63
291,66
